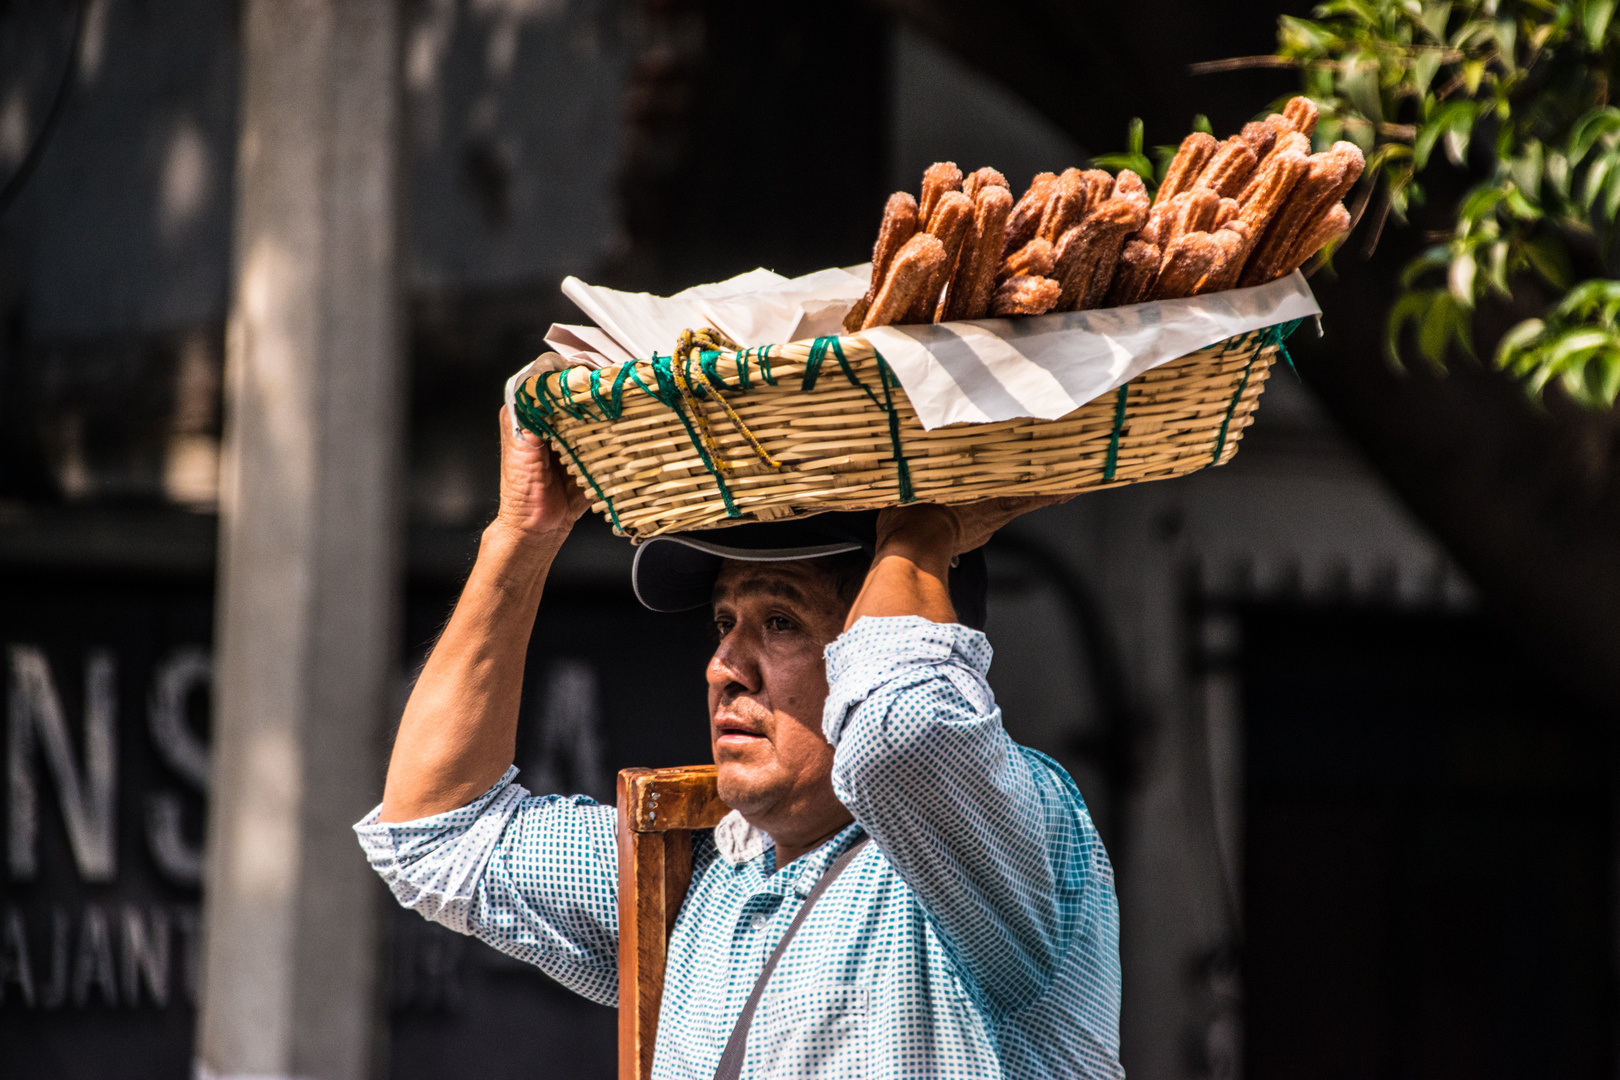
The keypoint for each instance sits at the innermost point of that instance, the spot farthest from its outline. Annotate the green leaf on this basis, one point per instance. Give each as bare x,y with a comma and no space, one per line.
1432,259
1460,278
1412,307
1506,40
1611,204
1517,342
1359,83
1458,133
1135,163
1573,347
1594,181
1595,125
1496,261
1201,123
1595,21
1473,71
1547,257
1454,120
1303,37
1557,173
1424,69
1436,333
1480,201
1435,17
1522,207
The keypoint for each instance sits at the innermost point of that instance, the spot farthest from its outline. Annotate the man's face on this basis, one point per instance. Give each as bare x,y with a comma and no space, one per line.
767,684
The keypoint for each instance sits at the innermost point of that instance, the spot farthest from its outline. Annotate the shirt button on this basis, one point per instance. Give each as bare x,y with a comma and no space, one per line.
758,922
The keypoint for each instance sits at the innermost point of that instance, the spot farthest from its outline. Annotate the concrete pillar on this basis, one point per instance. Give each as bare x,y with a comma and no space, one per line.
310,527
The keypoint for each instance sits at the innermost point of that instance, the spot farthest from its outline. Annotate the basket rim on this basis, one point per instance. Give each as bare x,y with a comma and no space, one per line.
580,400
578,389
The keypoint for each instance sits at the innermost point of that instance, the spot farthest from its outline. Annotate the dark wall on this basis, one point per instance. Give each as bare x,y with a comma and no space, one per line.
1429,854
595,701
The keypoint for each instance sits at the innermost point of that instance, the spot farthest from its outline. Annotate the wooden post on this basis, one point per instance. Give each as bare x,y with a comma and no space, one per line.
658,809
307,635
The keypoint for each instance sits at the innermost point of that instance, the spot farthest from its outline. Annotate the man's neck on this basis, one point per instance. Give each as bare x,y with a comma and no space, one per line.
788,850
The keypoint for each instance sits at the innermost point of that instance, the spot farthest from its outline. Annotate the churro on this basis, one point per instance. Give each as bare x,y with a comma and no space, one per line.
1133,276
1191,157
982,178
974,281
914,264
938,178
1327,178
953,216
1229,168
1034,259
1301,113
1187,263
1027,212
899,225
1024,295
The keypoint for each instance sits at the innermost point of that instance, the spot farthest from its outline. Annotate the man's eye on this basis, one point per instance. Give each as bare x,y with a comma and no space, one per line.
780,624
722,627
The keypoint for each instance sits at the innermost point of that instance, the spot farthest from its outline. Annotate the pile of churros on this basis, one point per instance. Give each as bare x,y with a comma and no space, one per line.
1239,212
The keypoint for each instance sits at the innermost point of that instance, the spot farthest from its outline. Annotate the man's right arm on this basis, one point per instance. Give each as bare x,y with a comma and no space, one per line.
459,732
455,839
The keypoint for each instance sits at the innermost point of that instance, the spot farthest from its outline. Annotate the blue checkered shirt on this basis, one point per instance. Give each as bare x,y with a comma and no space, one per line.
977,937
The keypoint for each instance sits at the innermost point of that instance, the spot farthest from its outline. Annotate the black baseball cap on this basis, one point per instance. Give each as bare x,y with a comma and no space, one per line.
677,571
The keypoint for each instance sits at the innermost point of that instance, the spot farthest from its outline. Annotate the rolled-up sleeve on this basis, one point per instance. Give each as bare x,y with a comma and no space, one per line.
536,877
993,837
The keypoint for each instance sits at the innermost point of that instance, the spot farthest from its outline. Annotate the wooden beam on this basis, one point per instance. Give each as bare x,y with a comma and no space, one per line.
658,809
663,799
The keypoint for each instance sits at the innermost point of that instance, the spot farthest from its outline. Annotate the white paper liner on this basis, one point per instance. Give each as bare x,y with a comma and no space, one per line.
1046,366
1042,366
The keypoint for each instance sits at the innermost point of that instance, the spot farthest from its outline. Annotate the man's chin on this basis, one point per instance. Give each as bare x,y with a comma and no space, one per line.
744,787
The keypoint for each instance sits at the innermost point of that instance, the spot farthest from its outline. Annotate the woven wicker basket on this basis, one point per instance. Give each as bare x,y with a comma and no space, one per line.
660,446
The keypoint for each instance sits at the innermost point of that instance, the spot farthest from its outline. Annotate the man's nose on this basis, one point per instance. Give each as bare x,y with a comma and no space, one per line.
733,664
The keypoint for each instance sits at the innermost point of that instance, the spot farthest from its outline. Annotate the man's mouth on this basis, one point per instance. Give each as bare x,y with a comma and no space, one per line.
736,732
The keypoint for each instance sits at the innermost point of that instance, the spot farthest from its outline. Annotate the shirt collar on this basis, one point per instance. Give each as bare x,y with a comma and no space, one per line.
738,841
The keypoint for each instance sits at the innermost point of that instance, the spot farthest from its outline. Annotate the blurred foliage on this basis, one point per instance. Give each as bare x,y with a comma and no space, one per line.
1150,170
1516,91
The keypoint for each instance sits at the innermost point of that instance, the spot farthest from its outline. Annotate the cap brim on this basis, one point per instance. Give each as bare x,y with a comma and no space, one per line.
677,573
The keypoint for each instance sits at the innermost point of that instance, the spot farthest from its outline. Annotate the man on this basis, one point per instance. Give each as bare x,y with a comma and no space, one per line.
975,935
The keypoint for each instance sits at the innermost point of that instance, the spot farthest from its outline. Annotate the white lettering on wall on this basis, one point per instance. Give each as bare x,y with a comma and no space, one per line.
135,956
93,966
175,679
86,798
570,758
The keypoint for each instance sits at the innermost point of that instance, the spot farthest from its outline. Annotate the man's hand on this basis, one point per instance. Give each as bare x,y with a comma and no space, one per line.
459,730
538,497
978,521
916,545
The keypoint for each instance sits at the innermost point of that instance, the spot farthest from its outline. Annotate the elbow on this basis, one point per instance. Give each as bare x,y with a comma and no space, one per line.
918,737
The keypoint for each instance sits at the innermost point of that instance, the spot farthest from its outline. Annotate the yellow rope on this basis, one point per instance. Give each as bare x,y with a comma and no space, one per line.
690,347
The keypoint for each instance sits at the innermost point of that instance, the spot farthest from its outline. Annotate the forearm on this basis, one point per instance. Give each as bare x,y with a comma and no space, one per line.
459,731
993,840
910,566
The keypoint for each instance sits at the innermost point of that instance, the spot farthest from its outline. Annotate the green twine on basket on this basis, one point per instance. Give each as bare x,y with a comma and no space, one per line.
1269,336
671,399
530,416
1276,335
812,371
1113,440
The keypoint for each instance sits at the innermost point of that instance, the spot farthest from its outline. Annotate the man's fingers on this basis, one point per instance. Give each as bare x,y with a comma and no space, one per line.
510,429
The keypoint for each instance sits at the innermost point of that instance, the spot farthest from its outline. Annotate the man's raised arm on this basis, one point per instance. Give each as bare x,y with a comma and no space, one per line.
459,731
993,837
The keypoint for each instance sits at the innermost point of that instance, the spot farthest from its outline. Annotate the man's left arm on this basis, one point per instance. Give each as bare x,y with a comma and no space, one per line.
994,838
